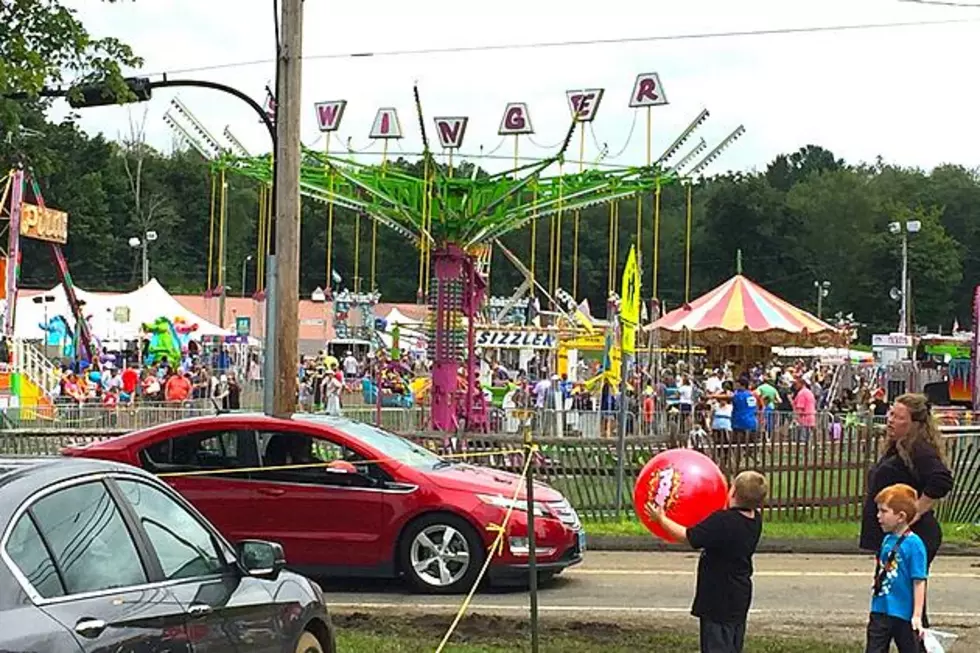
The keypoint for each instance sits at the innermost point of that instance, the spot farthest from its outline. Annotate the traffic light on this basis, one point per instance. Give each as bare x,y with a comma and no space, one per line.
99,95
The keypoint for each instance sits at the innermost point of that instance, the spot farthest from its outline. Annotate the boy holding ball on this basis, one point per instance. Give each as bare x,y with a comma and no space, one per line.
901,569
727,539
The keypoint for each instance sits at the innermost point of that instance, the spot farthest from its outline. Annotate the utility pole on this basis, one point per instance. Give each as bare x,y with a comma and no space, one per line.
289,62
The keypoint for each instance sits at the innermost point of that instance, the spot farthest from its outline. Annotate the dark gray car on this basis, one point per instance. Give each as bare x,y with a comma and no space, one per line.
98,557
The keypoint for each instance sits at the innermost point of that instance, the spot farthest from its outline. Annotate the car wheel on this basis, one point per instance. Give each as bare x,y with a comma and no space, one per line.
441,554
308,643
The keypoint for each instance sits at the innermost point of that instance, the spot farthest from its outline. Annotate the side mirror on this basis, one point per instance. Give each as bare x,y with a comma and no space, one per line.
261,559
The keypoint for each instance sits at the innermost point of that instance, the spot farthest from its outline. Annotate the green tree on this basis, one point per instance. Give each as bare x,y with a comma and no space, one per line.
42,42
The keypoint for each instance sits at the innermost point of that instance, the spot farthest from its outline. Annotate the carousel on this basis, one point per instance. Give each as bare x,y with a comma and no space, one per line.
740,321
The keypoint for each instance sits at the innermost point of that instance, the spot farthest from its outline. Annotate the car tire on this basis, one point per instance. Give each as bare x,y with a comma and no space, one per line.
449,571
308,643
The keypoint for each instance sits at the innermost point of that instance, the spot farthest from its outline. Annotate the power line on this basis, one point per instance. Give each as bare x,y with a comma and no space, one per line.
587,42
945,3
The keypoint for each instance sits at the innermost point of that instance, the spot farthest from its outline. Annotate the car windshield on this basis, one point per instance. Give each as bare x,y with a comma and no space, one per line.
387,444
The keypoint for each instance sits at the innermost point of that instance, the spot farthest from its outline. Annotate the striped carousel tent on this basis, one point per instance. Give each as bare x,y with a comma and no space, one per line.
740,312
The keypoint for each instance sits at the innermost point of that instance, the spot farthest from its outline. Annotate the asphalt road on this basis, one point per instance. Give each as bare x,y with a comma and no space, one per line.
811,592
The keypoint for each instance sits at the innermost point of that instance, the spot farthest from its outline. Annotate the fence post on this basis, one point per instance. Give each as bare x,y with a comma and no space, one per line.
532,555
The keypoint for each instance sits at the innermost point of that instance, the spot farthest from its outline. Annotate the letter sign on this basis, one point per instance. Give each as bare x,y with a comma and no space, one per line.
451,132
647,91
329,114
43,224
386,124
516,120
584,104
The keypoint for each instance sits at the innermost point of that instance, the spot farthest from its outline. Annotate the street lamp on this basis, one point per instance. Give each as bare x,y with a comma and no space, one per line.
823,289
910,227
143,243
244,269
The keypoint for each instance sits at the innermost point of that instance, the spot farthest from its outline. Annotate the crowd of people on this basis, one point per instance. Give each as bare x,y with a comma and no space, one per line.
192,379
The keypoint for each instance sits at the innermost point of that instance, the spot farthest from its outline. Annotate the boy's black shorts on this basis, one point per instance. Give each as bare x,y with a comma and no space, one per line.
722,637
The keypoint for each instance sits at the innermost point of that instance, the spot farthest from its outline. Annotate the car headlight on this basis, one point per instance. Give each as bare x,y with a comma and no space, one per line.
540,510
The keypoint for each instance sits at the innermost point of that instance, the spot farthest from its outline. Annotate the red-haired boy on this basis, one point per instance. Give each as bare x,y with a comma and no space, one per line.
901,569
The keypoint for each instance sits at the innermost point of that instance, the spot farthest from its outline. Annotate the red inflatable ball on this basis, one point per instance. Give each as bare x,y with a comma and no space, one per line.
686,484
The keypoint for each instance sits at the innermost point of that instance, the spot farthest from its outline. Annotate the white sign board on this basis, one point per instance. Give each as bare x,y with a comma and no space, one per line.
891,340
515,339
647,91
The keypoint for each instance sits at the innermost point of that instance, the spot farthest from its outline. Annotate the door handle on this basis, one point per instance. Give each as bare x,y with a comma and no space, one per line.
90,628
198,610
272,491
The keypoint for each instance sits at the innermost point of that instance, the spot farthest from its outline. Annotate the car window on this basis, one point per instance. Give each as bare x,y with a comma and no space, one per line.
88,539
27,550
388,444
326,460
200,451
183,545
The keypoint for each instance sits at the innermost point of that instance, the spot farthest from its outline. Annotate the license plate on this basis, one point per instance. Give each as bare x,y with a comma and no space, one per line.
581,541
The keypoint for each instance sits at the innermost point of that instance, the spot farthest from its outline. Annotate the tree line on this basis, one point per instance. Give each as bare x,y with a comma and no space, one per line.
807,217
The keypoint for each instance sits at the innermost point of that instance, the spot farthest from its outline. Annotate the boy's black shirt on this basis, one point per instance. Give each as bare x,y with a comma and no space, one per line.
724,587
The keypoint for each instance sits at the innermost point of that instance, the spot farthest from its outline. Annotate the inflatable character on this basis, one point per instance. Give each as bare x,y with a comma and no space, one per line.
59,334
164,342
184,329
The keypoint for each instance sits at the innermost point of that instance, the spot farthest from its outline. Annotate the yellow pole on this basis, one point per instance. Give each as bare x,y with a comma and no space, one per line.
450,163
610,257
357,252
222,213
422,239
656,237
578,216
687,243
260,240
428,225
639,197
561,190
534,232
214,199
329,284
374,225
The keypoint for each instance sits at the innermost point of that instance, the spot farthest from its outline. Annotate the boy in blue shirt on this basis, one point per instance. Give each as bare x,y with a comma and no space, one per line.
899,594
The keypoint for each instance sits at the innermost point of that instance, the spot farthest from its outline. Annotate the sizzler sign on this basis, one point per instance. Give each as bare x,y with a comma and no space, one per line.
515,339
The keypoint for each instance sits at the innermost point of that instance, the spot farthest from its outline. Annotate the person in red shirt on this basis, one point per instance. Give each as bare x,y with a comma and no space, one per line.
130,379
178,387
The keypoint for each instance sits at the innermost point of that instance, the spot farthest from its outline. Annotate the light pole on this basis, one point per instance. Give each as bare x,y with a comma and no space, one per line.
910,227
244,269
143,243
823,289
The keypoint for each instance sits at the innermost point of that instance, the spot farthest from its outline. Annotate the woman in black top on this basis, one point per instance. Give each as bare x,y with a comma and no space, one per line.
912,454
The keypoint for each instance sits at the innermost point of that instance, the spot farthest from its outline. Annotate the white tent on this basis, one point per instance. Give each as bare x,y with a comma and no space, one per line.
144,305
412,332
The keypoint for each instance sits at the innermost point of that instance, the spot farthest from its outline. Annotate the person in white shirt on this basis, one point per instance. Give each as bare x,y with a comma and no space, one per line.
713,384
351,366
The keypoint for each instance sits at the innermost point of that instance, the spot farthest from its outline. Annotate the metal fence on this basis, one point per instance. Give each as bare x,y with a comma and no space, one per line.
820,477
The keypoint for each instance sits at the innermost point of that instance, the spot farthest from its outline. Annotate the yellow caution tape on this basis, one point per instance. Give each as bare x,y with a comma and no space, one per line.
277,468
497,545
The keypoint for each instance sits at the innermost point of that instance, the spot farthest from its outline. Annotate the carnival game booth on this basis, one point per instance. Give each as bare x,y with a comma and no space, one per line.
740,321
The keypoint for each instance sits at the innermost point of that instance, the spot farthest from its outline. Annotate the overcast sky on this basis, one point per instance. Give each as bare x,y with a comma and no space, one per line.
903,93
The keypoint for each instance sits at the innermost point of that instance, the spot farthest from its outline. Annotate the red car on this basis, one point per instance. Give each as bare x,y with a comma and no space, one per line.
370,503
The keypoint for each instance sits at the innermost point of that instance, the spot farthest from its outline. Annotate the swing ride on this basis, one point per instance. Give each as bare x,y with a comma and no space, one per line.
455,221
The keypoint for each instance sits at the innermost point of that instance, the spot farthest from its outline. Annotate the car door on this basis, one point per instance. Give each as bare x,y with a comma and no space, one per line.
82,566
227,610
201,466
327,518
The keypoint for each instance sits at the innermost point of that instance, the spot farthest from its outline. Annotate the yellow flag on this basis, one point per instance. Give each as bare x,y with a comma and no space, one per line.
629,305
